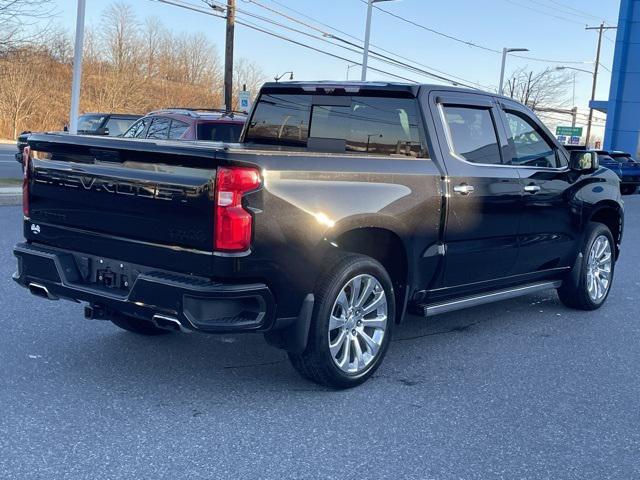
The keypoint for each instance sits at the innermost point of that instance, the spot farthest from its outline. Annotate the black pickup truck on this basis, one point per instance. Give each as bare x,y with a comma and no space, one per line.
345,206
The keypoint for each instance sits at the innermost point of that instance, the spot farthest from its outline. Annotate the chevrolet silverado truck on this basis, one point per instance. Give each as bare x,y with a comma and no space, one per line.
345,206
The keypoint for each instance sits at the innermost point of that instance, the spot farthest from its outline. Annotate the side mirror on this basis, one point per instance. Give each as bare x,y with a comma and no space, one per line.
584,161
102,131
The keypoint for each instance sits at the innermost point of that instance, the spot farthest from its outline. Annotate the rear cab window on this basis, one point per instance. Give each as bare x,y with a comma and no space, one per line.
350,124
219,132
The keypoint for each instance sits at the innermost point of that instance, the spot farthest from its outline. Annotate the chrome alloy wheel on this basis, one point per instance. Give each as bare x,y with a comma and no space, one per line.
599,266
358,324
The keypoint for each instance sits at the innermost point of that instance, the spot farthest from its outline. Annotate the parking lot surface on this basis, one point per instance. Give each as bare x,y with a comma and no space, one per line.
9,168
521,389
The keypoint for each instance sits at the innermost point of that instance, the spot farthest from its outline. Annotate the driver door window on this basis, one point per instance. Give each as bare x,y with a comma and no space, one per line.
530,149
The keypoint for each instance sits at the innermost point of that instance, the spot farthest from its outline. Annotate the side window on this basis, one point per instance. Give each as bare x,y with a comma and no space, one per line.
374,125
177,129
136,130
530,147
159,128
473,134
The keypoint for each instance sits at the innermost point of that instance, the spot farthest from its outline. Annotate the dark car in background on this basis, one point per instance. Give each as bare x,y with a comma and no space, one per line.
189,124
110,124
625,167
103,124
623,164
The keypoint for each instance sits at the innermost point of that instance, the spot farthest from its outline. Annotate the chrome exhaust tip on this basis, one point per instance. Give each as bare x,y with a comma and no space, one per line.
169,323
41,291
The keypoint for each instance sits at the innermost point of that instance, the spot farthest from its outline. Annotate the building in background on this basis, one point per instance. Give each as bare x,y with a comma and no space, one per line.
623,107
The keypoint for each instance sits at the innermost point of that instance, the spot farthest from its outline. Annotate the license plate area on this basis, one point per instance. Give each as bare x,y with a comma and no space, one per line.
110,274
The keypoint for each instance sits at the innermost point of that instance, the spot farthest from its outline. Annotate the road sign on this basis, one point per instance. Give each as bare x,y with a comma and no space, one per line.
569,131
245,100
562,139
574,141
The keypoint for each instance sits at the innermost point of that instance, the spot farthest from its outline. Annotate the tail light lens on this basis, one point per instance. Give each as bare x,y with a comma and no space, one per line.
233,224
26,174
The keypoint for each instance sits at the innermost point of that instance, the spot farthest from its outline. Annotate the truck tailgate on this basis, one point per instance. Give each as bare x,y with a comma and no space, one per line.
142,192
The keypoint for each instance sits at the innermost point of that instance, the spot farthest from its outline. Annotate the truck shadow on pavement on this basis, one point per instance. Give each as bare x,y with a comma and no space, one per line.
114,359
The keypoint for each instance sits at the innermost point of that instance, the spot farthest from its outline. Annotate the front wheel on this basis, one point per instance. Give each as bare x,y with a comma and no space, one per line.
590,288
351,325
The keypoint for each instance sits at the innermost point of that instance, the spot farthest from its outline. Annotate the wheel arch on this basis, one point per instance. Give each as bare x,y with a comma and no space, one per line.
386,247
610,214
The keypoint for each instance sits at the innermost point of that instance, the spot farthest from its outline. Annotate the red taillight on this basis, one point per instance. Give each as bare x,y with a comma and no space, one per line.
26,164
233,224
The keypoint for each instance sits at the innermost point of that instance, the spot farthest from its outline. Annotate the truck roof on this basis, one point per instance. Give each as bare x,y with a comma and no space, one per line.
409,89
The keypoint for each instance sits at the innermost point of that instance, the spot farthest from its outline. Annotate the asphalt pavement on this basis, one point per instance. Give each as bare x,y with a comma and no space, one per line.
523,389
9,168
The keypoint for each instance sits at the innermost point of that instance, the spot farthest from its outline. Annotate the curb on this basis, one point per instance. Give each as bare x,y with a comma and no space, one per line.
10,196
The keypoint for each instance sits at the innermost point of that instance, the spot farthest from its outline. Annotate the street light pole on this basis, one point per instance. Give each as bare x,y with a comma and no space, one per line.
77,69
367,36
505,51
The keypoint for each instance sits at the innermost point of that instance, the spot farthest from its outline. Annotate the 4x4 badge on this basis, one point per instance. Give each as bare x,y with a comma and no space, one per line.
35,228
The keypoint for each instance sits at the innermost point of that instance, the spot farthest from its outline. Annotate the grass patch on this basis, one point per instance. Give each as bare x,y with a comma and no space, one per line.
10,182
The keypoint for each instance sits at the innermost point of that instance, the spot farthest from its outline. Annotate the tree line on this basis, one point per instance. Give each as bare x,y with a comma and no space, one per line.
129,66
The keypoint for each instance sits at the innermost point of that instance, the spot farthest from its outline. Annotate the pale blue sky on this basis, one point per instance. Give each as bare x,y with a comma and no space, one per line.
551,29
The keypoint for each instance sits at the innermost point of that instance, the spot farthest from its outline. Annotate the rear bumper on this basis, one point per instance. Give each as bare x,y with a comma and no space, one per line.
196,303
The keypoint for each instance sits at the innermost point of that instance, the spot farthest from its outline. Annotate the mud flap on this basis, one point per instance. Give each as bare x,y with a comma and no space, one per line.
294,338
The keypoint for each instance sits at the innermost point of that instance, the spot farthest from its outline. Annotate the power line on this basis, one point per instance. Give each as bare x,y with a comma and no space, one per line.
182,4
358,49
467,42
458,79
580,12
542,12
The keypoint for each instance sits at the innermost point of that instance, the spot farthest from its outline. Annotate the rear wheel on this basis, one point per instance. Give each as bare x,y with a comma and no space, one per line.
590,289
353,314
135,325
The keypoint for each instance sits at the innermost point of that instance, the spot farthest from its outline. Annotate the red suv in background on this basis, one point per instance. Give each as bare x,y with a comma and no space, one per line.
189,124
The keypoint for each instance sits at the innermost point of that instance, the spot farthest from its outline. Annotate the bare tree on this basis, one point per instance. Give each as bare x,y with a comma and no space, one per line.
543,89
120,36
127,66
16,18
153,35
249,73
23,87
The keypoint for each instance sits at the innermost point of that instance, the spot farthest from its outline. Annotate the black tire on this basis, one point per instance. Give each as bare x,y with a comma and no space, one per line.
574,292
135,325
627,189
316,362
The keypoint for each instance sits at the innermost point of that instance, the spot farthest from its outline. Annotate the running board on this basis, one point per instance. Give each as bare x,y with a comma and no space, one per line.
482,299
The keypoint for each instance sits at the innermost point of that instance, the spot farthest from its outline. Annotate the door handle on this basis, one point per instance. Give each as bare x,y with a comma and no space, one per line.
532,188
464,189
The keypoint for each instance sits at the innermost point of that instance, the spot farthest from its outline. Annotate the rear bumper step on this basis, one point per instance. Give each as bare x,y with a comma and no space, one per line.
170,300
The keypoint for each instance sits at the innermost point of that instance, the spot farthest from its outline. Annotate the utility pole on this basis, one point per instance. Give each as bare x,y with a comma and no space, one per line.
228,55
77,68
601,29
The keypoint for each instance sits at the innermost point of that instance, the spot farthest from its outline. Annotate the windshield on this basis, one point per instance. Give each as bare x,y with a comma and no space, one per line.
90,123
117,126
